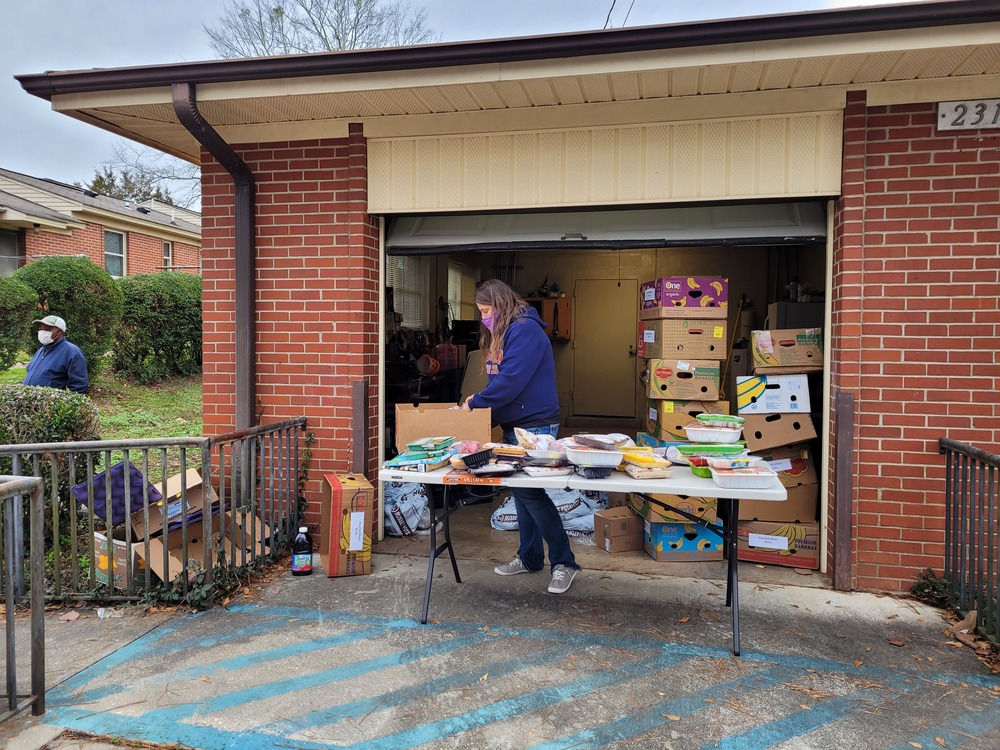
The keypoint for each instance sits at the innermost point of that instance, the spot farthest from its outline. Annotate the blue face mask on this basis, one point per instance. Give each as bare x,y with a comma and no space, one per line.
488,322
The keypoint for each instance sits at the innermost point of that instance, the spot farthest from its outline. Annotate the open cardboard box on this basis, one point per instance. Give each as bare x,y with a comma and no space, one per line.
429,420
188,486
113,564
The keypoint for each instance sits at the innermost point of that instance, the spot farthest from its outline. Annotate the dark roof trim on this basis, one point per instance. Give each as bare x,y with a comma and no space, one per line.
577,245
582,44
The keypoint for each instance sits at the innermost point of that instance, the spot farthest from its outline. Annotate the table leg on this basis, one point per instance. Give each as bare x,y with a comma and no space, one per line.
436,550
733,577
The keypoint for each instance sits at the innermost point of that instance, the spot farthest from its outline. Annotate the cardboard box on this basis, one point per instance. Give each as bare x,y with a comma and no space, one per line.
772,394
169,511
795,545
345,542
683,380
800,507
680,542
684,297
174,543
794,464
665,420
696,339
244,535
788,350
644,438
763,431
663,508
426,420
617,530
121,560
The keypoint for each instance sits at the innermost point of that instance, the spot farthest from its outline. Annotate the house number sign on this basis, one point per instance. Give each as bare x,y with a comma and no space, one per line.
970,114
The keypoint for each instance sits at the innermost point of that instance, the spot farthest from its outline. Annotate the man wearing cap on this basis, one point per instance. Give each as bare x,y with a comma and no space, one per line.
57,363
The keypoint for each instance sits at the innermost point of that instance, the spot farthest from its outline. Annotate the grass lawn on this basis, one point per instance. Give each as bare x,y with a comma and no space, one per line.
129,411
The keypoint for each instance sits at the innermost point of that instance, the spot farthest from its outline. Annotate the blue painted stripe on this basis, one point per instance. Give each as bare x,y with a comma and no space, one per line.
956,732
439,730
627,727
364,707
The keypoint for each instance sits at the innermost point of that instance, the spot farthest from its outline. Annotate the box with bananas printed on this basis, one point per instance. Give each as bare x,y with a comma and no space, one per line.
684,297
795,545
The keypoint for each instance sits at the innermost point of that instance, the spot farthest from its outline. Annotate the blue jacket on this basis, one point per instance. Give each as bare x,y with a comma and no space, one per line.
59,365
521,388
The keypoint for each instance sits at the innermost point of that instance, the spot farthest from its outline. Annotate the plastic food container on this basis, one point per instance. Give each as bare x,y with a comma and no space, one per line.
547,471
734,462
593,457
594,472
749,478
477,459
721,420
698,432
736,449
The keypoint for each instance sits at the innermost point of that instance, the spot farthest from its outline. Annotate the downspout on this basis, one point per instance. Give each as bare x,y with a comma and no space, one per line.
183,95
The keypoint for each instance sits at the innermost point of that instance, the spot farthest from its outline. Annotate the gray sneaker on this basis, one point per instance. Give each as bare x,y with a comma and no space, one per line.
562,579
512,568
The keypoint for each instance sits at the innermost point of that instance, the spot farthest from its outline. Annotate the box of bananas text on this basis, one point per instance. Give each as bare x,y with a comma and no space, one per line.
345,542
693,338
794,545
681,542
684,297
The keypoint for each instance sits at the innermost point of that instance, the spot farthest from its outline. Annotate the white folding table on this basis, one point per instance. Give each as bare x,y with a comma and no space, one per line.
681,482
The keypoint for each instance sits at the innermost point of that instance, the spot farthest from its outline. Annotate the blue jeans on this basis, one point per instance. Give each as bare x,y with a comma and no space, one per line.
538,520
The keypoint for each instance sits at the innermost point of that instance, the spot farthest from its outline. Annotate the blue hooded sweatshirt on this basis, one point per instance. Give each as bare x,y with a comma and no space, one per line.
521,388
59,365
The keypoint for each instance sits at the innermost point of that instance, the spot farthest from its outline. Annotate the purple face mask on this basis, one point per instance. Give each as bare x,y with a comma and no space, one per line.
488,322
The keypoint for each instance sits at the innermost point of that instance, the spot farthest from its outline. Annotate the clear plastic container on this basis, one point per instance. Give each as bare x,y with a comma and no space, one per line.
749,478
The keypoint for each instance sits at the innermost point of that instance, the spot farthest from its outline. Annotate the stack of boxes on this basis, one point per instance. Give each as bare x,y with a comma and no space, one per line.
683,339
776,403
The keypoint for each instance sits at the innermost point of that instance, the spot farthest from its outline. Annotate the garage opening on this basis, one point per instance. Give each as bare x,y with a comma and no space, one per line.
584,271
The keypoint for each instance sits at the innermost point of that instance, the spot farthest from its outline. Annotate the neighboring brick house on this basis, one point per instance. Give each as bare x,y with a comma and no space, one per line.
309,162
40,218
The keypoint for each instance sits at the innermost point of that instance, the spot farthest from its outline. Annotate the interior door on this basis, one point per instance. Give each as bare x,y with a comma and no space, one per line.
604,342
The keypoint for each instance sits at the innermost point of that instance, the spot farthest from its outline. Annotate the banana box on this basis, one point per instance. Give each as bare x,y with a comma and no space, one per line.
665,420
789,350
800,507
345,542
794,545
683,379
684,297
664,508
696,338
681,542
772,394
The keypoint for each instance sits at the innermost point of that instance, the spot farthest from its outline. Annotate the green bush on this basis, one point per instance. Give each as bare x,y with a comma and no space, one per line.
18,303
161,327
85,296
32,414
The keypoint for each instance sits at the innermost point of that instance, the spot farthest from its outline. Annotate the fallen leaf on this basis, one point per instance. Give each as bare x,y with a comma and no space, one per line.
709,615
671,717
486,628
940,741
684,619
484,677
70,616
206,678
914,744
897,642
858,662
295,619
803,705
803,571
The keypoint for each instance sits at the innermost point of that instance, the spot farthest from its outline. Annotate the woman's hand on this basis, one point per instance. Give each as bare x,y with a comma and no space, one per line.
467,404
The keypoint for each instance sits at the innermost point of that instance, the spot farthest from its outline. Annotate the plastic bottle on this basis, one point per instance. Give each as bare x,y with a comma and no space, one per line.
302,553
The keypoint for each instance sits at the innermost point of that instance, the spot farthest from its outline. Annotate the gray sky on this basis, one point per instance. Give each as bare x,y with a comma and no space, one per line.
79,34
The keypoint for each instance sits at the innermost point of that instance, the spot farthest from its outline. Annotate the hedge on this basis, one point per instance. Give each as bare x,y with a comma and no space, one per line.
18,303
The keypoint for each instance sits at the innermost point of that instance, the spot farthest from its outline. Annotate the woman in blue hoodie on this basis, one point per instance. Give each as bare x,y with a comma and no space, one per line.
521,391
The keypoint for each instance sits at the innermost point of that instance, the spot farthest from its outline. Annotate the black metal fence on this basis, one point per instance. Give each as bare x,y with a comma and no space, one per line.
130,519
972,547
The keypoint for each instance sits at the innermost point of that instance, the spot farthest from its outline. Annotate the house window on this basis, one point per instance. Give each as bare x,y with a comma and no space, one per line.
168,255
461,292
114,253
10,253
407,276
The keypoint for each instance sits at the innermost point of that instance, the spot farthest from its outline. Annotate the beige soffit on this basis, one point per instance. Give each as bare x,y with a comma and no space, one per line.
321,106
749,158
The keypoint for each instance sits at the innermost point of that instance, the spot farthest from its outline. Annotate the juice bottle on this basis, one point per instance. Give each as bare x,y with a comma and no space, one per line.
302,553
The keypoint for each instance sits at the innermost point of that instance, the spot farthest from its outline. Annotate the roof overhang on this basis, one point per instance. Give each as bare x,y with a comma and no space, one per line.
898,53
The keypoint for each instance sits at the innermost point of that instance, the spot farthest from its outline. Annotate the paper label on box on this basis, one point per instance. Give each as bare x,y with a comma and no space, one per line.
652,415
649,294
607,545
764,342
718,332
357,540
649,336
173,509
668,407
782,464
768,541
683,366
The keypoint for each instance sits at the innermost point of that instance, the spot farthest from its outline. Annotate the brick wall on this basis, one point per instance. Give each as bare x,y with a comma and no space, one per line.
317,294
143,253
916,323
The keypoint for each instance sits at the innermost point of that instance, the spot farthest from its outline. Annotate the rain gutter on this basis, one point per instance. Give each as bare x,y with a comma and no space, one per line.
186,108
518,49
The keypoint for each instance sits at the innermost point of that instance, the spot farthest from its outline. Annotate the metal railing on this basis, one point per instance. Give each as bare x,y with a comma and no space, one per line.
972,551
11,490
126,517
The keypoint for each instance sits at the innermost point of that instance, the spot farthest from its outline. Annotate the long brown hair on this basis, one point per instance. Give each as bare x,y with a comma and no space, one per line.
507,307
